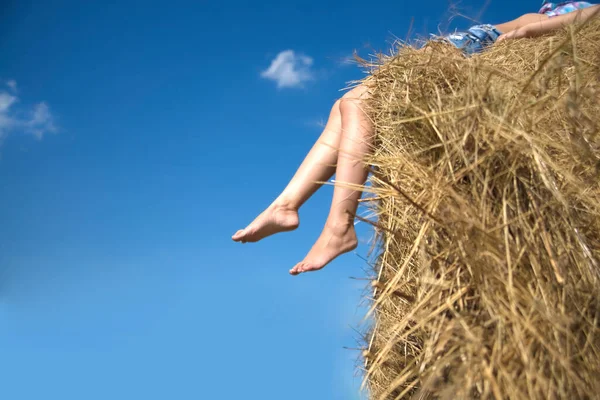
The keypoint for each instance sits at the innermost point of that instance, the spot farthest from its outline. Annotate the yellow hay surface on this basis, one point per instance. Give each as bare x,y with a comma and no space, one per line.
485,180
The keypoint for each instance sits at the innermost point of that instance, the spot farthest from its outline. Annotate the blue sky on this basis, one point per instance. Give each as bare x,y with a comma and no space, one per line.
136,137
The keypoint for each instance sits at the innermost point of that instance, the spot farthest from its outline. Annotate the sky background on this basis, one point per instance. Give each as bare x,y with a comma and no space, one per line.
135,138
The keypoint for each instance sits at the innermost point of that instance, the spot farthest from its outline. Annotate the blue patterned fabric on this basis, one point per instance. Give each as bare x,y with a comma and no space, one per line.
565,7
475,39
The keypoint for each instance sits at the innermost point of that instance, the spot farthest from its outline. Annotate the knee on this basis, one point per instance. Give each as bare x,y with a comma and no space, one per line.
337,106
360,92
351,101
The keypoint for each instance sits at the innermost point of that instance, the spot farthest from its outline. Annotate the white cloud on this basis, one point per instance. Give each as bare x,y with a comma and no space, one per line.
36,121
12,84
41,121
6,101
289,70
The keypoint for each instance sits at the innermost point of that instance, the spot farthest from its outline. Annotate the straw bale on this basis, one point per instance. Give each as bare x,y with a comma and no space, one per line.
485,181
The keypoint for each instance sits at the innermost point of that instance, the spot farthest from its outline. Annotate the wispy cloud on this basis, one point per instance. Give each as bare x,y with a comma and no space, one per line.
290,70
12,84
35,121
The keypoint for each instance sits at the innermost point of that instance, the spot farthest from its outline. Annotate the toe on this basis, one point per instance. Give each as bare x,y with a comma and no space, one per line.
309,267
296,270
249,234
312,267
301,267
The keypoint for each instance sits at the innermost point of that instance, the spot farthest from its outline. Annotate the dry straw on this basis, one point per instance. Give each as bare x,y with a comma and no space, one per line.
485,181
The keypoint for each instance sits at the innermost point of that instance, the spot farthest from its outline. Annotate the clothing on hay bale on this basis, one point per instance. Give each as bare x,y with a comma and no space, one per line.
485,180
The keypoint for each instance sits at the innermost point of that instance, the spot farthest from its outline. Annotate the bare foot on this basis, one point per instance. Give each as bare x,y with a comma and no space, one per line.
336,239
276,218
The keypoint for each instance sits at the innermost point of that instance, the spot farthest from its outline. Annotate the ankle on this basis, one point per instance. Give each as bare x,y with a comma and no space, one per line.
340,224
285,204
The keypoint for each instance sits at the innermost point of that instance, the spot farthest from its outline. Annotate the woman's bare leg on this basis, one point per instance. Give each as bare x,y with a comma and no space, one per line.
338,235
520,22
318,166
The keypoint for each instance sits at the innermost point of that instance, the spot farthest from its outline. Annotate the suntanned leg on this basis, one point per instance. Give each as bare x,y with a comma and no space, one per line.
338,235
523,20
318,166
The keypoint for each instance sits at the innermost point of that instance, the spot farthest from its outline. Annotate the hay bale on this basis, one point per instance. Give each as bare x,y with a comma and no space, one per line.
486,185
